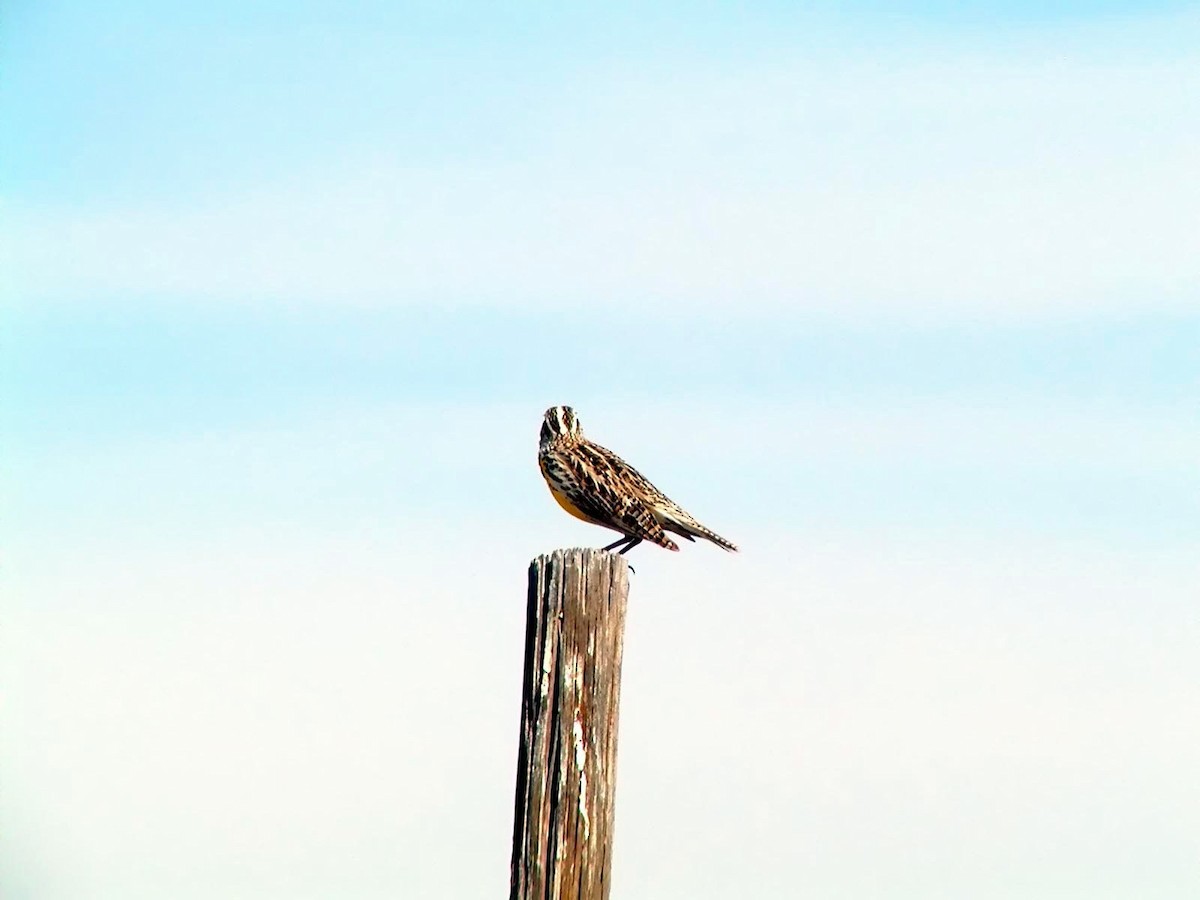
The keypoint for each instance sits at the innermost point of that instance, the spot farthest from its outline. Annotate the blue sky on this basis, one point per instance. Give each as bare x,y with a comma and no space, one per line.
902,299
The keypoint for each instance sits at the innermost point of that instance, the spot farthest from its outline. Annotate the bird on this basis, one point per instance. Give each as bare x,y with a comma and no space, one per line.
594,484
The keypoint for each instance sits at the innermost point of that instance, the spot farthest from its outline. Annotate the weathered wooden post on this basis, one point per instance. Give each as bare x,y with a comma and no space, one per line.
567,762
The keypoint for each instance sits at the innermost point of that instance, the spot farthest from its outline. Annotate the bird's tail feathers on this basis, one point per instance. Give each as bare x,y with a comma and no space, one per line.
691,529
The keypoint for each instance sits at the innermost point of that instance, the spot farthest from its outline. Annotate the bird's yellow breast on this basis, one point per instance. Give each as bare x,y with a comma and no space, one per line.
562,499
565,502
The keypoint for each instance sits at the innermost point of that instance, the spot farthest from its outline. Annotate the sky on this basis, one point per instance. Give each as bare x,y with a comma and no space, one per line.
903,299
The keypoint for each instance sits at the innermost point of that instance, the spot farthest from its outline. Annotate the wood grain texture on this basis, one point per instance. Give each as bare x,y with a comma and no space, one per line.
567,762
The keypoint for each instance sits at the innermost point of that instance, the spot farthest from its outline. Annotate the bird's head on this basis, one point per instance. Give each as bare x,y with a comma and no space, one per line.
560,424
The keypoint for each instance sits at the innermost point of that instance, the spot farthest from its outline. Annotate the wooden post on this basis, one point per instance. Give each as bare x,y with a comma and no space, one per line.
567,763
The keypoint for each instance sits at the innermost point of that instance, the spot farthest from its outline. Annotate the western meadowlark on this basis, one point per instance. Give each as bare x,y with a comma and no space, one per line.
594,484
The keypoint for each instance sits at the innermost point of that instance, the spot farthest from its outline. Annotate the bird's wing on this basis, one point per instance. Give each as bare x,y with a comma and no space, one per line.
625,494
666,513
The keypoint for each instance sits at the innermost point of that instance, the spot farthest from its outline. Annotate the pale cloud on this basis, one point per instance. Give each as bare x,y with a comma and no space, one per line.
283,660
336,713
1037,186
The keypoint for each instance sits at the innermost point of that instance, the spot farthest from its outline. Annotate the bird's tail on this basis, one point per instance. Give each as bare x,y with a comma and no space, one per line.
687,527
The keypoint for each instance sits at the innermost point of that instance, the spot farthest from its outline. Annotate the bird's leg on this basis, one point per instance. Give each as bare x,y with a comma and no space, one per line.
630,543
633,543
